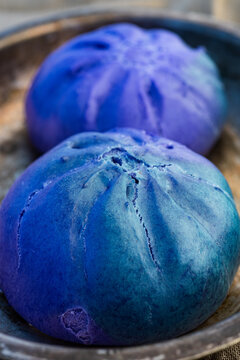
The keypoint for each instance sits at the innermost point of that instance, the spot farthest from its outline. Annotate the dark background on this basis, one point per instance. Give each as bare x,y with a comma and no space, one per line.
13,12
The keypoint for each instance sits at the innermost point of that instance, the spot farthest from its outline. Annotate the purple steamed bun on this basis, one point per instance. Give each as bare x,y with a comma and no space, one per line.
124,76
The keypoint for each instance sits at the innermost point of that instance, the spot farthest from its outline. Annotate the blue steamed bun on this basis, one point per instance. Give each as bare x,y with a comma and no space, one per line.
118,238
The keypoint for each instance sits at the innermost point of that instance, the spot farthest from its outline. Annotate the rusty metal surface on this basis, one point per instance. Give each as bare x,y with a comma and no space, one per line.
20,54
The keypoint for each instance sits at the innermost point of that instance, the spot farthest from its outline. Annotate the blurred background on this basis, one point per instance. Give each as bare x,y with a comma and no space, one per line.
14,12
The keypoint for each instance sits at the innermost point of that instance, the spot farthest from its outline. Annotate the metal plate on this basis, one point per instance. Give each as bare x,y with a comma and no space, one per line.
21,51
